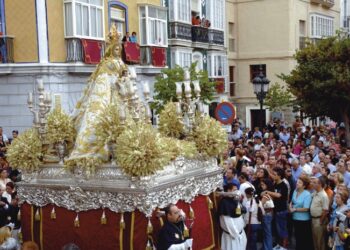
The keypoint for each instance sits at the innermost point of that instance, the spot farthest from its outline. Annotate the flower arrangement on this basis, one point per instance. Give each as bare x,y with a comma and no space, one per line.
179,147
140,151
210,137
108,126
89,164
169,124
25,151
60,127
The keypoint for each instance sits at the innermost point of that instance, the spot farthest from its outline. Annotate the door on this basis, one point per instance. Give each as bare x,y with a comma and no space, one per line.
257,119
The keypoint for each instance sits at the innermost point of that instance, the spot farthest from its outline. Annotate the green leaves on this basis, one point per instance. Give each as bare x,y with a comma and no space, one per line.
165,88
278,97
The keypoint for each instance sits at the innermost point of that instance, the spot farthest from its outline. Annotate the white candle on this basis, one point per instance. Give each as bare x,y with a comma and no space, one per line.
197,88
179,88
49,99
132,72
165,76
30,98
40,84
187,87
146,90
187,75
178,108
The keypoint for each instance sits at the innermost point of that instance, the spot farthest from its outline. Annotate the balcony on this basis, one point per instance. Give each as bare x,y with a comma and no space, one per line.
83,50
200,34
180,31
325,3
6,49
220,84
216,37
153,56
328,3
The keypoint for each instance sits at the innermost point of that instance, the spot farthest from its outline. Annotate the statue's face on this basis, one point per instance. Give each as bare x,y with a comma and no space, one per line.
116,51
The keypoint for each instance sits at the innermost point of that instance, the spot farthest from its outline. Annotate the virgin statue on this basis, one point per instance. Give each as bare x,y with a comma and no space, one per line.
101,91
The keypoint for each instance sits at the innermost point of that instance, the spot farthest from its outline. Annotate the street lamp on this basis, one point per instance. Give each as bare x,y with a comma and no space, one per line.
261,87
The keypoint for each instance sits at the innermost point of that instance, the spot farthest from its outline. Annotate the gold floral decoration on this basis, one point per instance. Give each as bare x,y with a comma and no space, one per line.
89,164
25,151
140,151
177,147
60,127
108,126
209,136
169,124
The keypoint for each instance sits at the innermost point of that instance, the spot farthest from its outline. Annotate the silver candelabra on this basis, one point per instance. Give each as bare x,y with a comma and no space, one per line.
41,108
185,108
131,101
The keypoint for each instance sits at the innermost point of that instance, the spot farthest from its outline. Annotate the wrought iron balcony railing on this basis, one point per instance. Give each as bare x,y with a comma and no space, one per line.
216,37
200,34
180,31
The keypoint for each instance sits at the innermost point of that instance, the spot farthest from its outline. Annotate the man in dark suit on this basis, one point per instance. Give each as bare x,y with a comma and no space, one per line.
172,235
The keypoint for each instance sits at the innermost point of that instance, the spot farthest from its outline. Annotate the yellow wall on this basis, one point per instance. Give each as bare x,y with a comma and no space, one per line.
55,19
21,23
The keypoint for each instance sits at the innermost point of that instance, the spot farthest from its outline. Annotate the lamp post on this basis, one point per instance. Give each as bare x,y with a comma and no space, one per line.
261,87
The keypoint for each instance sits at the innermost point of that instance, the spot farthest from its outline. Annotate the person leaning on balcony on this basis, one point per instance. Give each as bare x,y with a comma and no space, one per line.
196,20
133,37
126,38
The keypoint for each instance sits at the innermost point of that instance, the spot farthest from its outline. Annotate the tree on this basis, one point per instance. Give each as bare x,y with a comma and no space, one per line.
321,80
165,88
278,97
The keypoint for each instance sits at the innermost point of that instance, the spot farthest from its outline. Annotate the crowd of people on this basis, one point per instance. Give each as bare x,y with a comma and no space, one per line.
292,183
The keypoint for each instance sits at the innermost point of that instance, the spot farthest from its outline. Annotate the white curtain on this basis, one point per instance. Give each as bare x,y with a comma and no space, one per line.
68,19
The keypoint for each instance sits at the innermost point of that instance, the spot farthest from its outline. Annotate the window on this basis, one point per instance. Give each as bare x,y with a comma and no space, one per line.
255,70
84,18
181,57
216,13
180,10
198,58
232,80
217,65
117,17
153,26
231,39
302,32
321,26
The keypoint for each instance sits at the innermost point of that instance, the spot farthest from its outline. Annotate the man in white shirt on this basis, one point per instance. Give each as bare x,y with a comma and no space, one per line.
306,168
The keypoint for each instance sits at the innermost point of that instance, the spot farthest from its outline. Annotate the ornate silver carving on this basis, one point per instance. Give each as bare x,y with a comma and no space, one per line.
111,188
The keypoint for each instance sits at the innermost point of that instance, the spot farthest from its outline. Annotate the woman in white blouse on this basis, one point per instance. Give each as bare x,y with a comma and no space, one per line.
3,179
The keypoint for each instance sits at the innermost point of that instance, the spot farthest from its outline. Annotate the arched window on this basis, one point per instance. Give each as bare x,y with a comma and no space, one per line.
118,14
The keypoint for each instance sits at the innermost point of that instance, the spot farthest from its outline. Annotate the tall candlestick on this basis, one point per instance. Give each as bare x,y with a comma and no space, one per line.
187,87
179,88
30,98
178,108
187,75
146,90
40,84
36,118
197,88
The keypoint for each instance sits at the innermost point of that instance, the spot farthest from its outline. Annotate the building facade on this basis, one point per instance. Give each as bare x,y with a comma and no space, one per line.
61,41
268,33
197,34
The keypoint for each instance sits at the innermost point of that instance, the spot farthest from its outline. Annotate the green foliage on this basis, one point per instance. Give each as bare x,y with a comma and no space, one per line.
278,97
321,80
165,89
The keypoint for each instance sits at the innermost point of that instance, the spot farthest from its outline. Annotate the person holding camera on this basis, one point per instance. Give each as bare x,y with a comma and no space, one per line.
172,236
336,227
